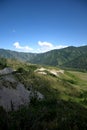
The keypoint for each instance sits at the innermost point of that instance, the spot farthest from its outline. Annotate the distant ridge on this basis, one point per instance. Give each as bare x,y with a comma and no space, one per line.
71,57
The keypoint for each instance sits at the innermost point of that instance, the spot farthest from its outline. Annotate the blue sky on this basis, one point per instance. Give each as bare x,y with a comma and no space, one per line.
42,25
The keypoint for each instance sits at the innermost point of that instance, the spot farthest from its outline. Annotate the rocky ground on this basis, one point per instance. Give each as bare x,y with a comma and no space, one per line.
13,94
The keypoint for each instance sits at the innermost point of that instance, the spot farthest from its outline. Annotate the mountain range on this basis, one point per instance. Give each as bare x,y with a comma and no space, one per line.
35,97
70,57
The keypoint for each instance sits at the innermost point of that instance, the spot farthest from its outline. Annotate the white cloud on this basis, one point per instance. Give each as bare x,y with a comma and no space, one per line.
42,47
22,48
17,45
46,46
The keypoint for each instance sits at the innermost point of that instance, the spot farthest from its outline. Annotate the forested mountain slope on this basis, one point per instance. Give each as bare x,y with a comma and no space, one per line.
71,57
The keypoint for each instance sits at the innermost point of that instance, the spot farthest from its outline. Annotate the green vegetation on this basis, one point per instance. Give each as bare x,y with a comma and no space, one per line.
64,106
3,63
70,57
50,114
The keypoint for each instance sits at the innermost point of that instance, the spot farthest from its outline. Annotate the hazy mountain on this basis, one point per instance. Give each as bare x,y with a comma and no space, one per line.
16,55
61,56
72,57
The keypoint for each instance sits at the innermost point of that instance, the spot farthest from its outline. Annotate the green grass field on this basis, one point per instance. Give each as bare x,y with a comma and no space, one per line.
64,106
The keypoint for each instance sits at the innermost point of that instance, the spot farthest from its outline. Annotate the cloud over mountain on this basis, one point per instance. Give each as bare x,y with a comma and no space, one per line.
22,48
47,46
42,46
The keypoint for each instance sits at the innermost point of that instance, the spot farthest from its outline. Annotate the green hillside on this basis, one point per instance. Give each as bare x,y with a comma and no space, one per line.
64,57
15,55
71,57
64,106
79,63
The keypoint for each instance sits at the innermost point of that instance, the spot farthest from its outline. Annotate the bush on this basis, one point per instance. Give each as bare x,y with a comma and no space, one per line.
21,70
3,63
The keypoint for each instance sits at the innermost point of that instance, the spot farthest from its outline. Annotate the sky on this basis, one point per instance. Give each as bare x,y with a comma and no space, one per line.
42,25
